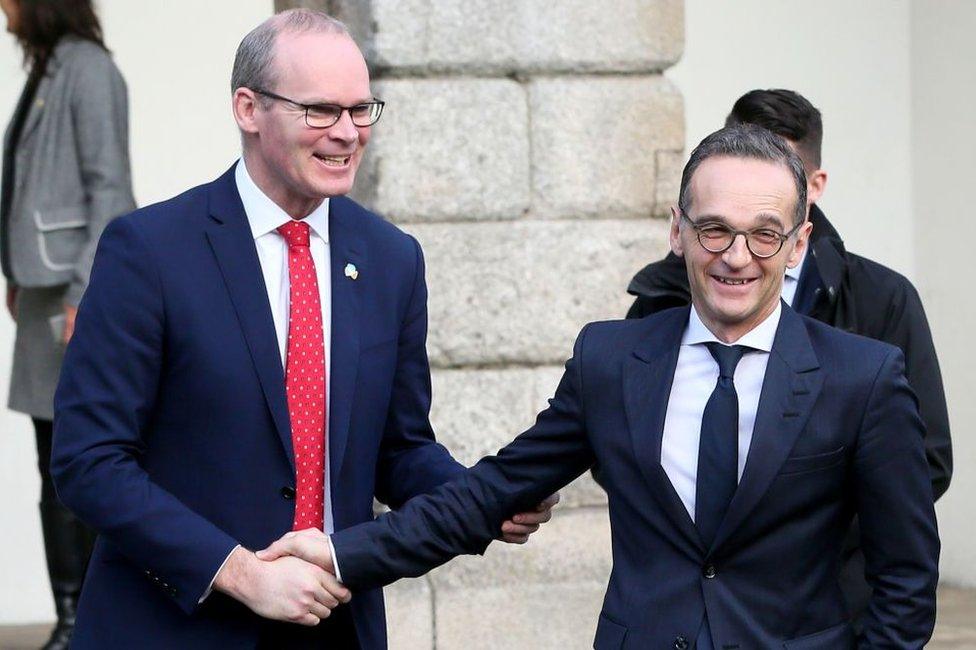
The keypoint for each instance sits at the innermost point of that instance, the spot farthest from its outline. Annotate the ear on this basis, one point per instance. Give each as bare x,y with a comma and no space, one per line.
800,247
245,106
816,184
675,234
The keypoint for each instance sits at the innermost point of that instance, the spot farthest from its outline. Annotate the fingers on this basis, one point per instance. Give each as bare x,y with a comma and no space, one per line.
549,502
335,589
277,549
511,528
297,546
511,538
310,545
531,518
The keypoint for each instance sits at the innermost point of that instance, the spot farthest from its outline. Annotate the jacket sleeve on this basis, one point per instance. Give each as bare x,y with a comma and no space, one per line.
463,516
908,328
896,513
100,115
103,410
411,461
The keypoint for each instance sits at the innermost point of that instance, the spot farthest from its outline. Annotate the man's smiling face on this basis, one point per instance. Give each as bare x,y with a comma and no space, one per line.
734,291
299,164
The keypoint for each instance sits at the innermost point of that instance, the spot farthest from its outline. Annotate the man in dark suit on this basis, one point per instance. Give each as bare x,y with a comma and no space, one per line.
836,287
736,440
250,359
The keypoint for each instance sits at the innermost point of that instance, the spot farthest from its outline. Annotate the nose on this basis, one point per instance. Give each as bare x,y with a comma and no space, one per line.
737,255
344,130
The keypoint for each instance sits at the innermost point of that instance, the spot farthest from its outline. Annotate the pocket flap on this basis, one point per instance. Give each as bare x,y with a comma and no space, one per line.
75,216
796,464
609,635
839,637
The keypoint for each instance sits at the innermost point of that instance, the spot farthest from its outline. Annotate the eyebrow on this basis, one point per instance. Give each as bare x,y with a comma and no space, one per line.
321,102
765,219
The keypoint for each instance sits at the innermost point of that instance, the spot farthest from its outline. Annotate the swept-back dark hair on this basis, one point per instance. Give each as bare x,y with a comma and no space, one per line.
786,113
42,23
747,141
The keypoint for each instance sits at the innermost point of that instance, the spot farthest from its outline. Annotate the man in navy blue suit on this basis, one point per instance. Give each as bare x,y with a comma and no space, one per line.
736,439
250,359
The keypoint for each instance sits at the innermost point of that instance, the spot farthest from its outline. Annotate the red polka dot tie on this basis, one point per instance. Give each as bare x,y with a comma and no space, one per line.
305,378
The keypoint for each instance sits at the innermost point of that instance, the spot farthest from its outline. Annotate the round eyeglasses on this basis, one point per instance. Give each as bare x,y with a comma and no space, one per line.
762,242
322,116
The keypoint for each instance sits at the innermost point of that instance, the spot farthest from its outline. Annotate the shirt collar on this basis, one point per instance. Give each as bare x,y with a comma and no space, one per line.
796,270
265,216
760,337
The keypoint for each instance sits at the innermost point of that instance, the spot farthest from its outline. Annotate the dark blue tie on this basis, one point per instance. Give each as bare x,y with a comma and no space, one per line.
718,448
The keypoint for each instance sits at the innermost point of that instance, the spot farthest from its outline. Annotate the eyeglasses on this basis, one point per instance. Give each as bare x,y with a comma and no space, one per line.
761,242
322,116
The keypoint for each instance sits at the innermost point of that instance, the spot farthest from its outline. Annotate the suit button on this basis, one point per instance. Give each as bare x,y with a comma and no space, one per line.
709,571
681,643
288,492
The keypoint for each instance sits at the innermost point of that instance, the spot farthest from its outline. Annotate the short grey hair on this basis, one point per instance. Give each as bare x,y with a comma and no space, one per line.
747,141
254,63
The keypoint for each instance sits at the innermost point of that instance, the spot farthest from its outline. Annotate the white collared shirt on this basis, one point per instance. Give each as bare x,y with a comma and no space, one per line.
695,377
265,216
792,279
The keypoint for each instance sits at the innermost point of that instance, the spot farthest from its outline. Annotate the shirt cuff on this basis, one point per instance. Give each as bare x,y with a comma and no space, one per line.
335,560
214,579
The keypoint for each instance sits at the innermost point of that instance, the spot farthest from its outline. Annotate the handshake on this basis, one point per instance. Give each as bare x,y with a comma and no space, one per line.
294,579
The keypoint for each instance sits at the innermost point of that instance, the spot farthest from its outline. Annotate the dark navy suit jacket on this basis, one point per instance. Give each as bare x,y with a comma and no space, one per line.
172,435
837,433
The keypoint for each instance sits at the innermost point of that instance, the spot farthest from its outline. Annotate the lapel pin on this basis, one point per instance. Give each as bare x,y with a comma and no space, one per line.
351,271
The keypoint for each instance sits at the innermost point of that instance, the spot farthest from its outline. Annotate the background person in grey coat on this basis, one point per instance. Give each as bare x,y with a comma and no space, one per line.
65,176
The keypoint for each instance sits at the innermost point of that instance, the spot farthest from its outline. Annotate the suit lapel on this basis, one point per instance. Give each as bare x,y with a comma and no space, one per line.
39,102
346,247
35,110
648,374
790,389
233,245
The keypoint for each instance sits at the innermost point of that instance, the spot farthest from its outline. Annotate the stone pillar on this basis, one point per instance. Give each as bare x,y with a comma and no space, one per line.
533,148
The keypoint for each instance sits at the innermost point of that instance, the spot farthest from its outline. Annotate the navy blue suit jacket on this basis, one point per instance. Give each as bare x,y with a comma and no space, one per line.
172,437
837,433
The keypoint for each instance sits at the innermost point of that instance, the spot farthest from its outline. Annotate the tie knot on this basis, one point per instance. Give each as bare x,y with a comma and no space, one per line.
727,356
295,233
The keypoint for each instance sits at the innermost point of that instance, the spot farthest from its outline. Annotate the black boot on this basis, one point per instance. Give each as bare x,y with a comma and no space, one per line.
67,545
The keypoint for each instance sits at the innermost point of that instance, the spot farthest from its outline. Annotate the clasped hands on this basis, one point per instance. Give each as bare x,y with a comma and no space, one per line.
294,579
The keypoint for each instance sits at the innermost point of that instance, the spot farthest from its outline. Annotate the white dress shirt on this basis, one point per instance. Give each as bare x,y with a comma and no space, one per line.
695,377
792,280
264,216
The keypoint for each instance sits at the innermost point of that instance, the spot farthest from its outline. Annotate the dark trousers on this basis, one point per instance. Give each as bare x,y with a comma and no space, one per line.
43,433
67,544
334,633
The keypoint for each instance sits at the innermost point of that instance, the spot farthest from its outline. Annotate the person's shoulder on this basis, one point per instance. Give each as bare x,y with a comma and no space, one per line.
881,282
626,333
80,54
86,64
845,349
173,215
383,238
365,220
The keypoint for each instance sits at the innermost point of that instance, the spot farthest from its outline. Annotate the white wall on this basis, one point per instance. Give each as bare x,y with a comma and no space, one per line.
944,159
176,57
850,59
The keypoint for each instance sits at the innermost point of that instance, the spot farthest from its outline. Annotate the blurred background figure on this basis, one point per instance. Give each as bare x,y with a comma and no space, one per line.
65,175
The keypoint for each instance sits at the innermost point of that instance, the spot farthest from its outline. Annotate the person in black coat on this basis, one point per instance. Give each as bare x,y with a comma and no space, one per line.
835,287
